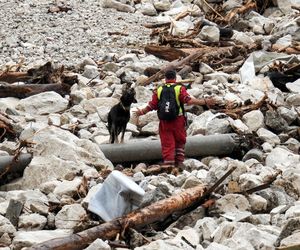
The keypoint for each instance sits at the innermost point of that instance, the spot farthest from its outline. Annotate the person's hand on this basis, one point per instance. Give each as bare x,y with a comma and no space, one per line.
137,113
211,102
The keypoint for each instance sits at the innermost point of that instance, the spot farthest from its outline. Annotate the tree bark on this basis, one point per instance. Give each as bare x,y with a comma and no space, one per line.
139,218
11,77
23,91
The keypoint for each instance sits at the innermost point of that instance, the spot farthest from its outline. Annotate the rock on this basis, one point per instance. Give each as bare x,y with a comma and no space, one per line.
5,240
199,125
290,115
292,212
151,128
248,181
231,203
210,34
6,226
216,246
70,216
98,245
117,5
174,244
259,23
268,136
68,188
91,105
293,100
31,222
90,71
293,87
148,9
293,145
293,239
43,103
206,227
162,5
189,219
254,120
190,235
281,158
218,126
27,239
274,121
191,181
257,203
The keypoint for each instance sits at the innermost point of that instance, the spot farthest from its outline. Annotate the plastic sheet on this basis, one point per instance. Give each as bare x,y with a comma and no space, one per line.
117,196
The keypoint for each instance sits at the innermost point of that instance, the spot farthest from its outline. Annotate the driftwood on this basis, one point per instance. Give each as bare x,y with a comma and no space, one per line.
158,211
165,53
23,91
45,74
11,77
139,218
206,54
238,112
6,126
241,10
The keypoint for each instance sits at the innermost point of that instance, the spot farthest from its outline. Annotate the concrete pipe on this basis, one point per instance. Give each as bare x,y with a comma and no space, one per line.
148,150
10,165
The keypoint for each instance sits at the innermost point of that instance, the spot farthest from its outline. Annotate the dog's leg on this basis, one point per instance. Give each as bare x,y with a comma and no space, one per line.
123,133
117,135
112,134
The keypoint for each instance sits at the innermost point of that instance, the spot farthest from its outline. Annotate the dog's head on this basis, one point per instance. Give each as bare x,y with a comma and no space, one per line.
128,97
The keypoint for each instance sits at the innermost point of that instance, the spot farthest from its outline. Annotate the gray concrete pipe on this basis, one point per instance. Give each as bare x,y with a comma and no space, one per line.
146,150
14,166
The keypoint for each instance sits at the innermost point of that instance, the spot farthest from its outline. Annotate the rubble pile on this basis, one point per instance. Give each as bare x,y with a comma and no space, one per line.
57,87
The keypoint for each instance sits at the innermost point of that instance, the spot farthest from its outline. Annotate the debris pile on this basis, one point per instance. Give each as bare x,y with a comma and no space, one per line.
53,123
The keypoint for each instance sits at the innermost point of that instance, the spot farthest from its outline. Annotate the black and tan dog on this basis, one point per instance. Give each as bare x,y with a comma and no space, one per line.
119,115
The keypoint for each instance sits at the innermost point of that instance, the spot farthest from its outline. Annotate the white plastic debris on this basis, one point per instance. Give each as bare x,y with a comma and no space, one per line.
117,196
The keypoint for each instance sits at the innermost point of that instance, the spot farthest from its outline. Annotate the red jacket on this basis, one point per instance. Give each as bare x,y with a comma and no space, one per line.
184,97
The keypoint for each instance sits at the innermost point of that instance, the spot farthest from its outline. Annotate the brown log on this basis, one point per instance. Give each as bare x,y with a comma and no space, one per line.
206,55
11,77
166,53
136,219
23,91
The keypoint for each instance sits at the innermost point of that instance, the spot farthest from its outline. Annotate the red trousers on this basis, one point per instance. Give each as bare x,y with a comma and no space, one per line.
173,138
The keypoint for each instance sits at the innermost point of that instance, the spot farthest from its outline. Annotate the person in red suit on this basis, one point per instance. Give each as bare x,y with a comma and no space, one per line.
173,132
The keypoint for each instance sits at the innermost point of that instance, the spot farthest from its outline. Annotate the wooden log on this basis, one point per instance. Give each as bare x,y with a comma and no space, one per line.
207,54
11,77
23,91
166,53
136,219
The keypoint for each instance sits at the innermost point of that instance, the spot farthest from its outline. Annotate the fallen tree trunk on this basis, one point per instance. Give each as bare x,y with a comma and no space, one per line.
145,150
136,219
206,54
23,91
186,201
11,77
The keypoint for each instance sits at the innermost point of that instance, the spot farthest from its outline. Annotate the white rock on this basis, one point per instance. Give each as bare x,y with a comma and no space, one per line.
199,125
217,246
289,115
31,222
294,87
291,240
190,234
93,104
162,5
27,239
293,211
231,203
68,188
70,216
242,38
257,203
6,226
151,128
210,33
43,103
90,71
268,136
148,9
173,244
281,158
207,227
117,5
254,120
98,245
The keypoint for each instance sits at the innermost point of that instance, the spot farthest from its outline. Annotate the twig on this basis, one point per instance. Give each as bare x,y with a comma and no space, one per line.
216,12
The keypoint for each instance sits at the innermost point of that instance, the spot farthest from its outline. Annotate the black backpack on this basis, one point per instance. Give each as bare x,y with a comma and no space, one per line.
168,107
